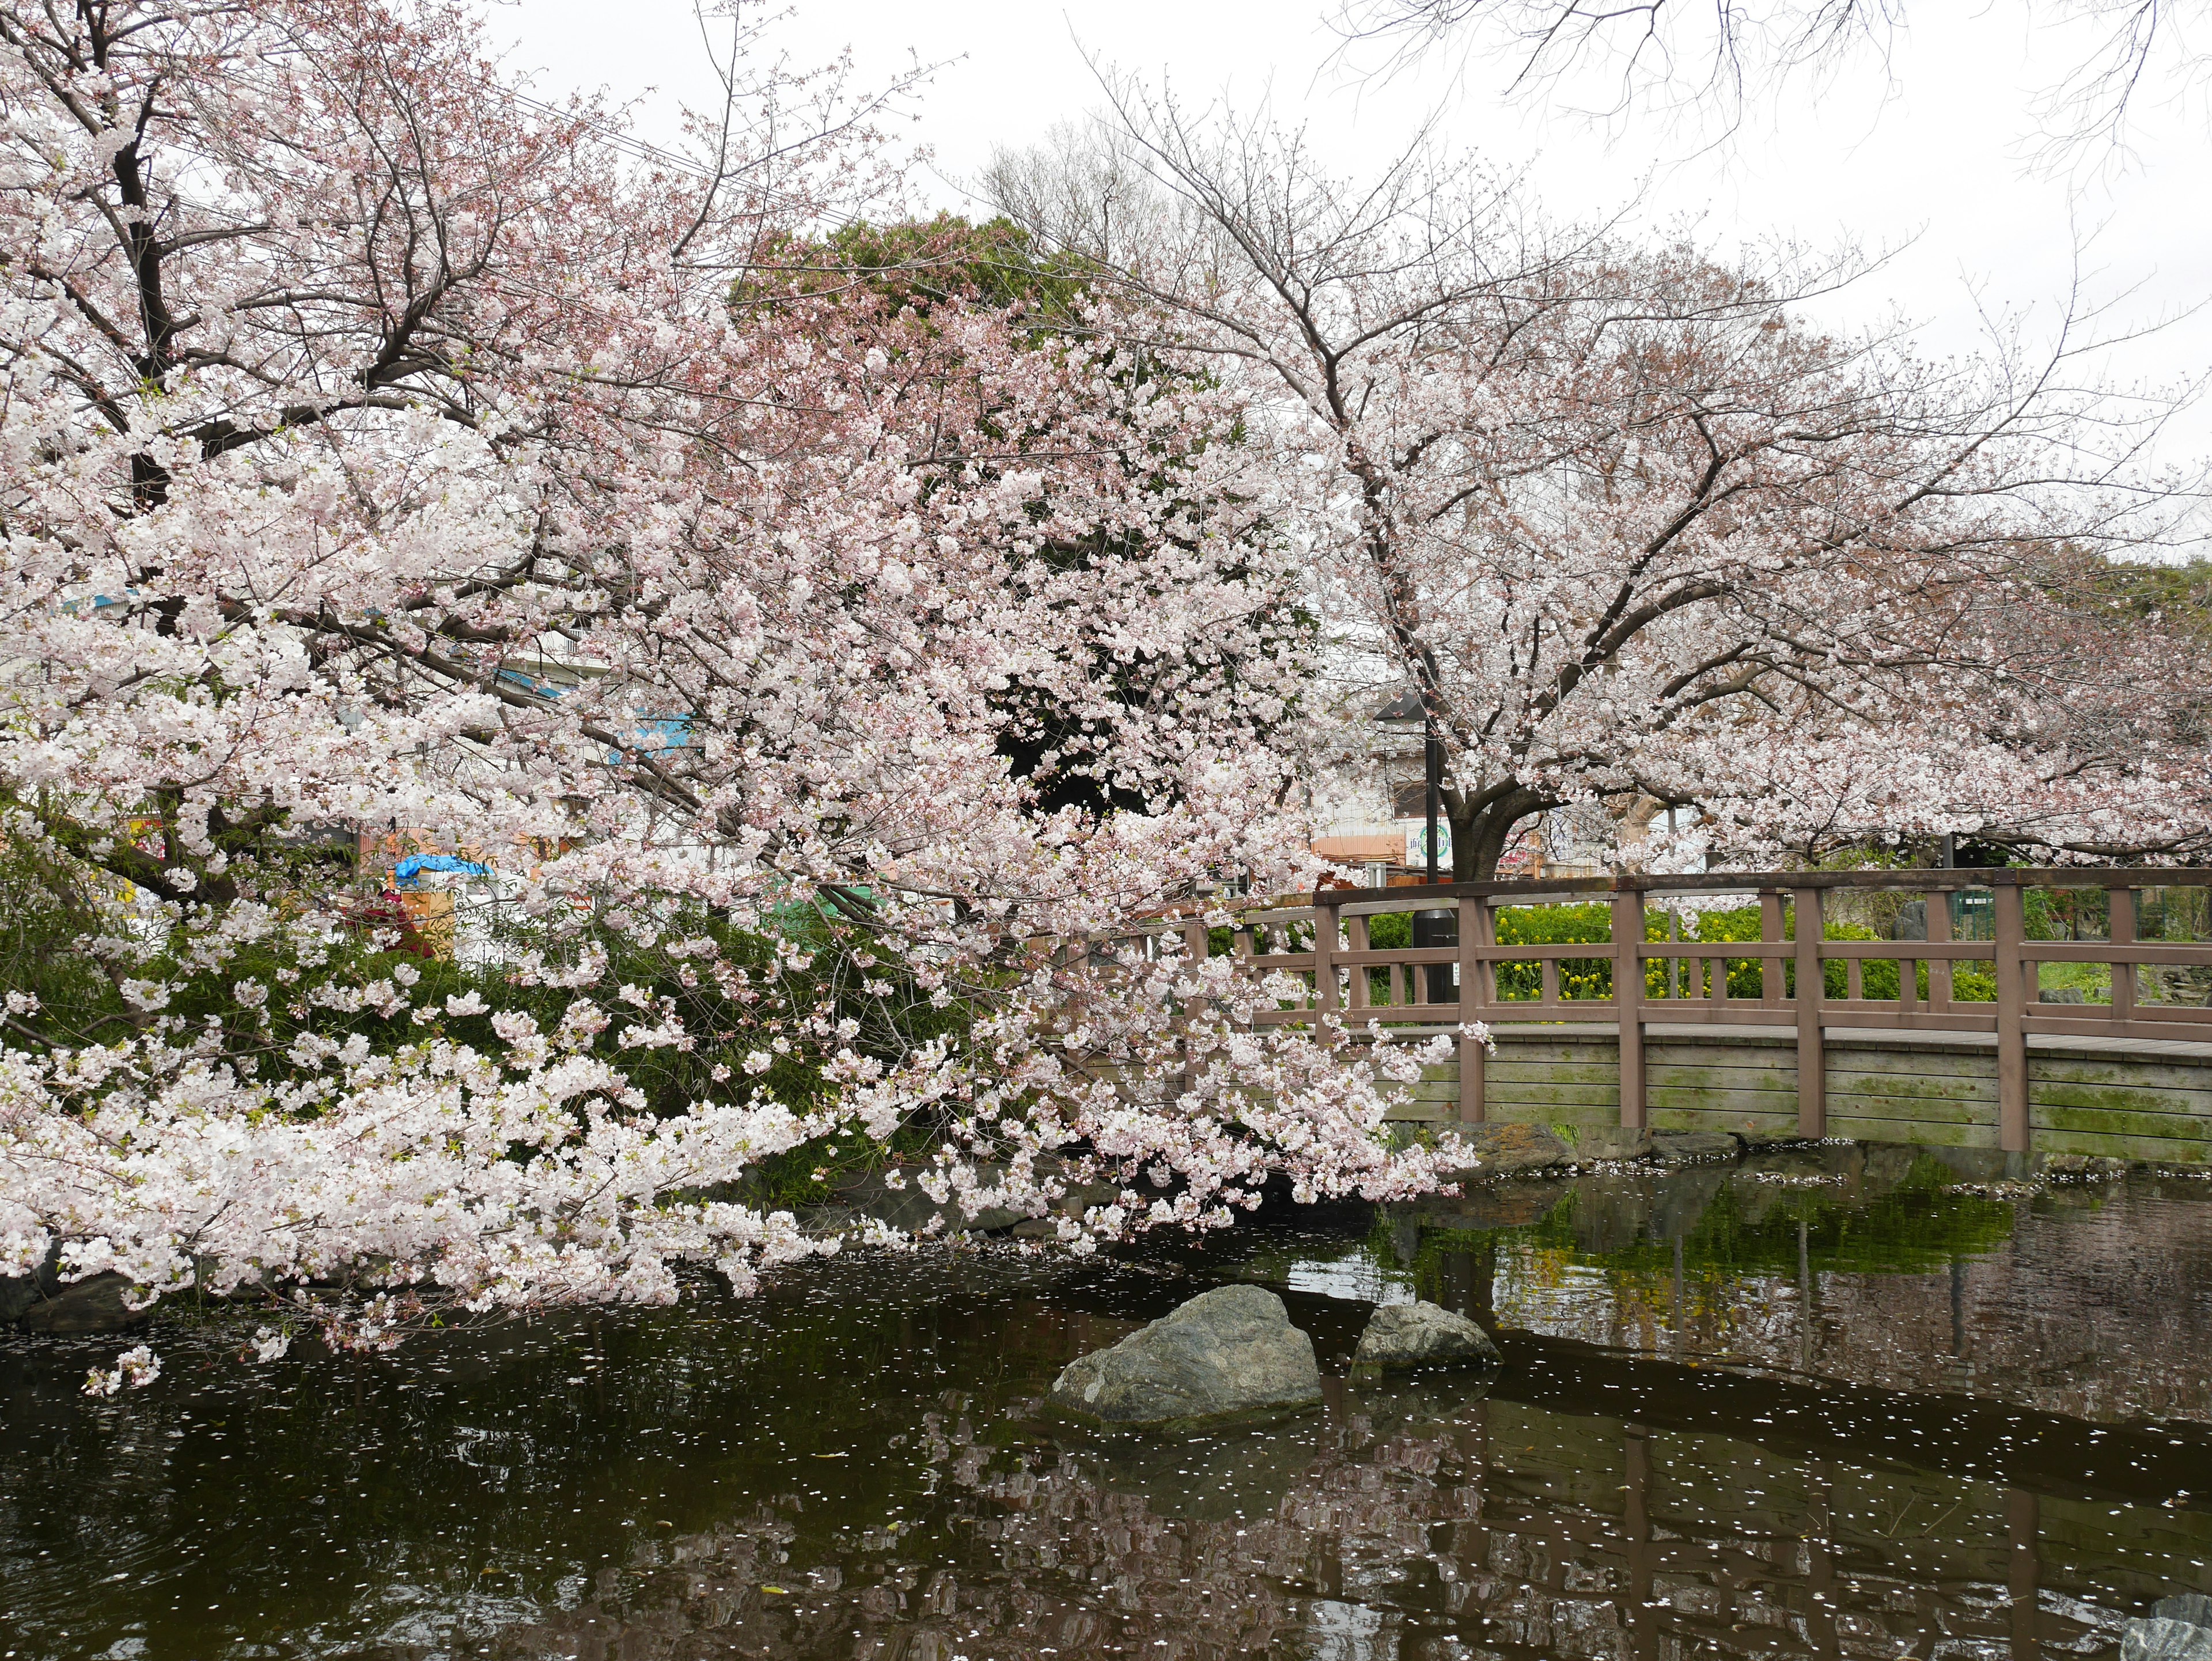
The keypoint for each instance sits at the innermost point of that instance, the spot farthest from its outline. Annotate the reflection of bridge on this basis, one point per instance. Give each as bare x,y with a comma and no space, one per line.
1946,1027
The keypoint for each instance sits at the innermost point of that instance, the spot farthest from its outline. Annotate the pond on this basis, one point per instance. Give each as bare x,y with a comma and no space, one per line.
1833,1405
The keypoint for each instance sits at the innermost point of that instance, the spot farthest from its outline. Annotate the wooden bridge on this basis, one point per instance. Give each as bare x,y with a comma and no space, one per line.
1967,1044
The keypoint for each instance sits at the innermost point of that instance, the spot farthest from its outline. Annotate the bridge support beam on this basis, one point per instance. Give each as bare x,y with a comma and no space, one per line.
1628,1001
2014,973
1475,930
1811,987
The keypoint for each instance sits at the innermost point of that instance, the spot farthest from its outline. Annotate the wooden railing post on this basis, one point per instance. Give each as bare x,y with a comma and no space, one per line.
1355,935
2120,930
1473,932
2013,975
1197,942
1628,1002
1197,945
1324,957
1937,909
1812,985
1771,976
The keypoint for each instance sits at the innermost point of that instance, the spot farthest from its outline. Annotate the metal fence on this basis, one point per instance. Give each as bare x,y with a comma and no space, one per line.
1970,926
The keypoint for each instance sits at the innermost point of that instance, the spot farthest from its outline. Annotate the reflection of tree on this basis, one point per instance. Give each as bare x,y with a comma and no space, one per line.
859,1452
1415,1525
2094,1302
1747,1226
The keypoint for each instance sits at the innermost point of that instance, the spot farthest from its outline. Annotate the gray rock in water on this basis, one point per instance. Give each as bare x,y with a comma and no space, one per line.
2193,1607
2166,1641
1232,1350
1606,1142
1680,1146
1501,1150
17,1293
1423,1335
92,1304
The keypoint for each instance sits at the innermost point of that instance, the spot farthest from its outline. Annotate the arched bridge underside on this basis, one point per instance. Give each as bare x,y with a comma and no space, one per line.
2019,1013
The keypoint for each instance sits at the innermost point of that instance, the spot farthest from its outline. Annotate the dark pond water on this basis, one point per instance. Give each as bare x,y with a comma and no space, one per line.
1826,1408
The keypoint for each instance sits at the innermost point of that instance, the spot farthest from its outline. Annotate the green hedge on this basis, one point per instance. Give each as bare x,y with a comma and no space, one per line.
1591,922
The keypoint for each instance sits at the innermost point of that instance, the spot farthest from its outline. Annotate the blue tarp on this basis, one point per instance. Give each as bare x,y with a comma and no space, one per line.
406,872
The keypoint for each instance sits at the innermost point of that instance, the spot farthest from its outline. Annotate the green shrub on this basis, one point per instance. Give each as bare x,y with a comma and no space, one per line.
1591,922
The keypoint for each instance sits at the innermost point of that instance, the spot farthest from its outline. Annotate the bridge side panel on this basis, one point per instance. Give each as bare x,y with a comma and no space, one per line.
1569,1081
1935,1095
1723,1081
2120,1108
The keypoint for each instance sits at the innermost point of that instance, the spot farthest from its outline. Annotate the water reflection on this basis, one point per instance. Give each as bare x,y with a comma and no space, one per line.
1430,1525
858,1465
1869,1265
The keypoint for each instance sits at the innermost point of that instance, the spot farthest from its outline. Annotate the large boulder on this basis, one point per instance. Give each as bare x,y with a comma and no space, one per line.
1685,1147
2193,1607
1230,1351
1605,1142
1423,1335
1475,1153
94,1305
2155,1640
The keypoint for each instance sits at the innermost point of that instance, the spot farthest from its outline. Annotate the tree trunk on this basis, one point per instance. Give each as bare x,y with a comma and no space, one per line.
1480,838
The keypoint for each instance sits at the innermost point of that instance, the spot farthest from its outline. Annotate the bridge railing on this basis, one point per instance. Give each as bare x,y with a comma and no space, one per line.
1452,976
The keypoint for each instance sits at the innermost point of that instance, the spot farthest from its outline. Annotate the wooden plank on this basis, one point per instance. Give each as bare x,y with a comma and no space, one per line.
1679,1095
2132,1074
1951,1087
1729,1104
2163,1150
2178,1104
1913,1131
2114,1121
1958,1069
1980,1092
1595,1051
1907,1110
1564,1096
1510,1075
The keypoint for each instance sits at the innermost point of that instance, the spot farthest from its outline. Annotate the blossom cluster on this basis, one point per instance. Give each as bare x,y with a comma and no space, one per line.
388,459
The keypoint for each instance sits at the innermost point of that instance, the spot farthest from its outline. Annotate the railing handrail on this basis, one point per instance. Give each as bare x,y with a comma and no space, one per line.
1946,877
1459,976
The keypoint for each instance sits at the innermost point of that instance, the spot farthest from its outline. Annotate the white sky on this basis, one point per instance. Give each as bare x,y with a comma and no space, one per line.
1927,161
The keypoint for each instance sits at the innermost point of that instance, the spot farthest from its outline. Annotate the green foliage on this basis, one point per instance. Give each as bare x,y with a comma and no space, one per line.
2178,596
1591,922
923,264
317,966
1922,1224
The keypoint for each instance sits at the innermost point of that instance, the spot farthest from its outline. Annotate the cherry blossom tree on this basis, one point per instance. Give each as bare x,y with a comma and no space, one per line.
1627,524
387,452
1724,56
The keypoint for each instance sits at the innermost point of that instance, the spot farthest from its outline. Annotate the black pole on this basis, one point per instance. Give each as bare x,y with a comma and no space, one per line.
1434,759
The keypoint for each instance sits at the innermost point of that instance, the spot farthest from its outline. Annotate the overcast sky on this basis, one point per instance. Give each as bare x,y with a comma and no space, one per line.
1926,160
